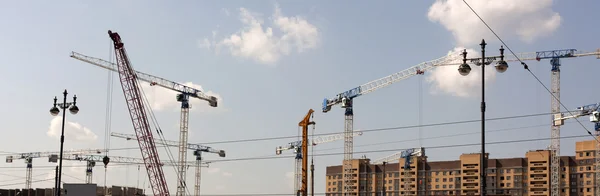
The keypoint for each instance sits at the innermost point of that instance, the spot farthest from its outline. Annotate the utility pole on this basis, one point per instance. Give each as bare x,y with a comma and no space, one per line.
383,179
312,176
56,180
54,111
464,70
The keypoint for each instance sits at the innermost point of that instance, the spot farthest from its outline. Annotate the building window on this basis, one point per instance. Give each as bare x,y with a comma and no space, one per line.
508,171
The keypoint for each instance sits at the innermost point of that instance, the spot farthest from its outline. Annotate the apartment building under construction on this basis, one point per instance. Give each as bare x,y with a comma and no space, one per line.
529,175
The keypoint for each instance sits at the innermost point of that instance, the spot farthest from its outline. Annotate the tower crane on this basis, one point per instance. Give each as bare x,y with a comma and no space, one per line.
406,155
592,110
198,149
137,112
185,92
91,161
345,99
298,150
29,156
306,121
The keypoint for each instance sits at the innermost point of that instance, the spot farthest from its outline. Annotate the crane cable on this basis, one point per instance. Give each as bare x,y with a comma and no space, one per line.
162,137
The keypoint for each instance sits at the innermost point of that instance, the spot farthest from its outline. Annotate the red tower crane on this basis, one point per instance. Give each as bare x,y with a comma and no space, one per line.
137,112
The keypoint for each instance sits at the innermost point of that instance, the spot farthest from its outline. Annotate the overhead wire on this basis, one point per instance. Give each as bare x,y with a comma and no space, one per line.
382,129
401,149
442,136
527,68
364,130
267,157
3,185
426,138
82,180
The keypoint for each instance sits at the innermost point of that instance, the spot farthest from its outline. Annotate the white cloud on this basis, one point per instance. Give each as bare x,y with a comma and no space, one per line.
262,44
213,170
446,79
527,19
73,131
161,99
227,174
204,43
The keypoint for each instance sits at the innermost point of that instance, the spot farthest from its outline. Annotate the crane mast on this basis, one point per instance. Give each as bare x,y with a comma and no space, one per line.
304,124
139,119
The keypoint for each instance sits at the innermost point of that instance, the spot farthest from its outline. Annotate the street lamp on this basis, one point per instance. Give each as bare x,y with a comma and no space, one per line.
464,69
55,111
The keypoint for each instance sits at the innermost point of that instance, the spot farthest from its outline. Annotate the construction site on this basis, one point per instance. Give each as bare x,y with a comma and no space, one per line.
404,172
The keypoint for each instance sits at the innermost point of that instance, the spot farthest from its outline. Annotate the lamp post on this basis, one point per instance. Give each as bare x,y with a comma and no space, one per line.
464,69
54,111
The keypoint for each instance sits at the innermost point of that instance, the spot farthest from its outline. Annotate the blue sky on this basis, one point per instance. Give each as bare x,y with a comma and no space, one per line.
268,79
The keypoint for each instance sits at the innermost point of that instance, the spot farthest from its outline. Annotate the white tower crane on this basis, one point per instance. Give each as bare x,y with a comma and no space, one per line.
297,147
592,110
407,155
185,92
198,149
29,156
93,159
345,99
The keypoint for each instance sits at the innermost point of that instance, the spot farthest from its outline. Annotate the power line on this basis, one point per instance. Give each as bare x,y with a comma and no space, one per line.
364,130
382,129
24,183
400,149
444,136
527,68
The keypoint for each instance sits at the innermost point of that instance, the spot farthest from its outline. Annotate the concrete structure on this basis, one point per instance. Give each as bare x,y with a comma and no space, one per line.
76,189
79,189
529,175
